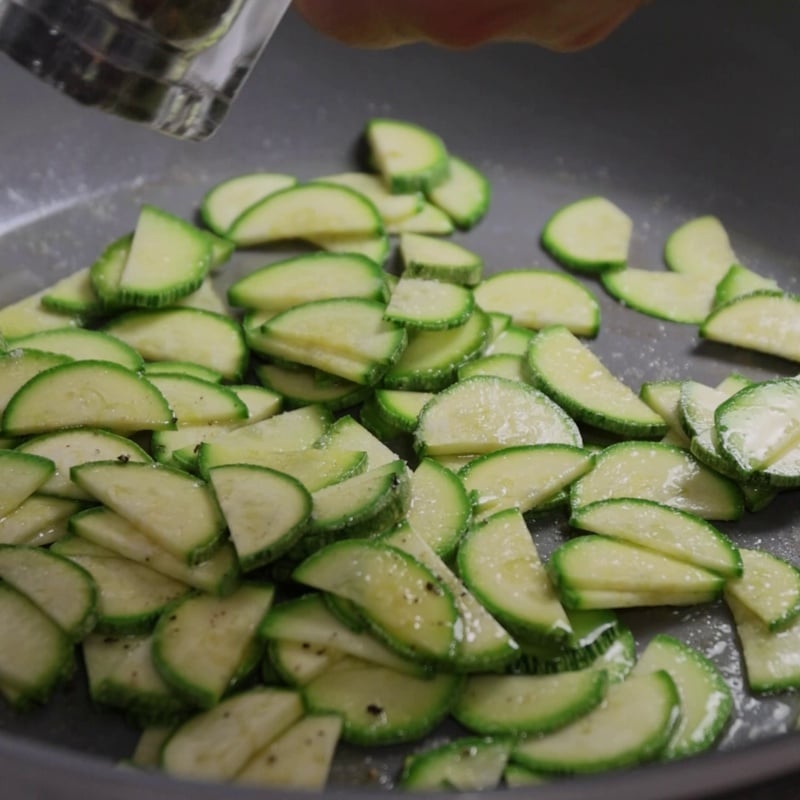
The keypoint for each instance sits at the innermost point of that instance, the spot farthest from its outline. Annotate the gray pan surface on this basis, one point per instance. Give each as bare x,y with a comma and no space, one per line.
691,108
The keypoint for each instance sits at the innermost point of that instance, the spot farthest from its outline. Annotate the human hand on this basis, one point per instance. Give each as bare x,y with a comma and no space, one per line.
562,25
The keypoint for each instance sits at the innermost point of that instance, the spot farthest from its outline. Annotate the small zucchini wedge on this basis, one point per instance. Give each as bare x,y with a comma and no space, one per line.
438,259
464,195
21,474
590,235
307,620
17,367
705,699
632,726
130,596
121,675
482,643
392,206
379,705
82,344
306,210
537,298
765,321
768,588
439,507
664,529
174,508
299,758
312,276
500,564
266,511
572,375
598,563
432,358
484,414
246,723
409,157
392,590
217,575
466,764
64,591
225,201
168,259
528,704
184,334
203,646
661,473
426,304
700,247
72,446
429,220
522,477
739,281
38,521
87,394
35,653
195,401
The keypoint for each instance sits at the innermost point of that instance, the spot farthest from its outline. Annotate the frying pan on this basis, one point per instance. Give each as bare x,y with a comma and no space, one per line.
691,108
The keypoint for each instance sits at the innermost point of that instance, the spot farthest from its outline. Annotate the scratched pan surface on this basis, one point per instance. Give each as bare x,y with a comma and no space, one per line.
690,109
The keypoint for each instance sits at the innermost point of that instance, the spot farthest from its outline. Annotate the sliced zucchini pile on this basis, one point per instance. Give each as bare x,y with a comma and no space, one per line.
300,513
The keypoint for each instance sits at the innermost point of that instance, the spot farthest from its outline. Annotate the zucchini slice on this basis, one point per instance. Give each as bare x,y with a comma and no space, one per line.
37,521
528,704
168,259
86,394
218,574
62,590
299,758
21,474
375,247
590,235
298,663
771,658
439,508
308,277
673,296
408,157
598,563
130,596
537,298
266,511
174,508
151,368
522,477
758,429
203,645
74,446
245,723
664,529
633,726
121,675
17,367
464,195
307,620
705,699
500,564
379,705
700,247
391,206
432,358
501,365
481,642
437,259
739,281
429,220
467,764
225,201
184,334
28,315
74,295
769,588
309,209
484,414
195,401
567,371
401,408
35,653
429,304
766,321
82,345
392,590
106,271
661,473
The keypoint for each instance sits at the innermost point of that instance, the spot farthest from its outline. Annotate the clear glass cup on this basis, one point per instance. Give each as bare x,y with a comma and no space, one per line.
174,65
